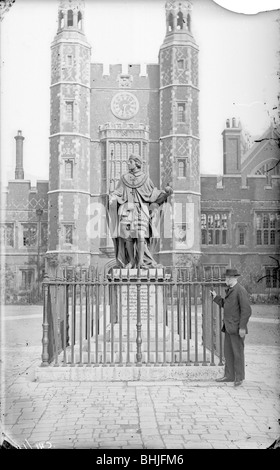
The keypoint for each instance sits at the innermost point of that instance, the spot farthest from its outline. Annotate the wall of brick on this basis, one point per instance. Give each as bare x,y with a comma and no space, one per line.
231,188
242,204
21,202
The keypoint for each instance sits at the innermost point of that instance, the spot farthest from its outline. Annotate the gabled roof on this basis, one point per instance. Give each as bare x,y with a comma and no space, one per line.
265,149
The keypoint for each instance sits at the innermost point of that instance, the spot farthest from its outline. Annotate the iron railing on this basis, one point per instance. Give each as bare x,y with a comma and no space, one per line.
131,317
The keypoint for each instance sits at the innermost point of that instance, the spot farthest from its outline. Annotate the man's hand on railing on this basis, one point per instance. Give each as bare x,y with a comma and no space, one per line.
213,294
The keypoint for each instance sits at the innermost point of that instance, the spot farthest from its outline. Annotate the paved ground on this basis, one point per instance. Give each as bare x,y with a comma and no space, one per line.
170,415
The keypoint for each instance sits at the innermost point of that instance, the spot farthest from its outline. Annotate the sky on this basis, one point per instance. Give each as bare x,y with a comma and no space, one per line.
238,63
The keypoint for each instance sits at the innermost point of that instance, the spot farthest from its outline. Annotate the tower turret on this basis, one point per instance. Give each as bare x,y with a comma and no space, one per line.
71,15
179,133
69,192
178,21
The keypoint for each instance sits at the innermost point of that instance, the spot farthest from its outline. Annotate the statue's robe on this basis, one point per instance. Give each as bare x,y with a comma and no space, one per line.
135,197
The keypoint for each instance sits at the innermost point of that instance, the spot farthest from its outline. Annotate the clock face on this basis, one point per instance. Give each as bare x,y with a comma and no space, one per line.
124,105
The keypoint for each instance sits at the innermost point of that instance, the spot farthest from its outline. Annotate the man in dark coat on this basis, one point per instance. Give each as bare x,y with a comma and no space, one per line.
237,312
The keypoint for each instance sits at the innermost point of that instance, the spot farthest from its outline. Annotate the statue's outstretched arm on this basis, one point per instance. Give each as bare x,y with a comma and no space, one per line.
164,195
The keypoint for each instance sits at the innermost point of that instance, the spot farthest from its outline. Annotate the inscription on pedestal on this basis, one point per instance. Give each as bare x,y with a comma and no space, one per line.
151,294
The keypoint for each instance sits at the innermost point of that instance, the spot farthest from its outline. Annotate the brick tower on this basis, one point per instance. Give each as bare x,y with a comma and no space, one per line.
69,191
179,136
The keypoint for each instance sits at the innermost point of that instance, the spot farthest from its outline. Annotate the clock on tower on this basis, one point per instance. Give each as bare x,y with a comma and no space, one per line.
124,105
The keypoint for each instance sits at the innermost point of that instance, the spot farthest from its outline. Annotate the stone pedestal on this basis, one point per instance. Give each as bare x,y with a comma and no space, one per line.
138,298
140,310
136,316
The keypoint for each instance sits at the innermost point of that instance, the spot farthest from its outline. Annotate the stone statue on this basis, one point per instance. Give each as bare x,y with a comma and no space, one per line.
131,206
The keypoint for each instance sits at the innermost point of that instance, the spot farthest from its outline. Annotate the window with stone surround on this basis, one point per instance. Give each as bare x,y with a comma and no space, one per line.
181,114
170,22
69,111
272,277
7,235
29,234
214,228
267,226
180,63
68,233
181,168
27,278
70,18
69,60
241,235
180,20
68,166
80,20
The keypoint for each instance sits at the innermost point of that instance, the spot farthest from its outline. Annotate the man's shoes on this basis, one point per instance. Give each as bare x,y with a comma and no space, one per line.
224,379
238,382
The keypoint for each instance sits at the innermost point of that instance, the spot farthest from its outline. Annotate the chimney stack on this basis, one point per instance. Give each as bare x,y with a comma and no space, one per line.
232,148
19,173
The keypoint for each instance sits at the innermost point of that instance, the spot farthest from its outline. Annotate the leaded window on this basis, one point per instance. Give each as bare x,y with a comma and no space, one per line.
241,236
27,279
214,228
69,111
181,107
272,277
68,233
69,169
119,153
266,225
29,234
7,235
182,168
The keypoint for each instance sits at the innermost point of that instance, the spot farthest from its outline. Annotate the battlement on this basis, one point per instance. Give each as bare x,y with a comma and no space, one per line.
124,75
229,187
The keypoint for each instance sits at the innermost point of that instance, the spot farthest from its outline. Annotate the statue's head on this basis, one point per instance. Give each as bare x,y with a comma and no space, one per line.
137,158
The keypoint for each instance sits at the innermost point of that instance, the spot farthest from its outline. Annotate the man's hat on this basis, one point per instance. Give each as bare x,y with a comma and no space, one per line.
136,158
232,273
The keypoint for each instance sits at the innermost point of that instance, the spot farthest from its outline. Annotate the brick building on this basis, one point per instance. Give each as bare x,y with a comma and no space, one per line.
99,116
240,216
24,233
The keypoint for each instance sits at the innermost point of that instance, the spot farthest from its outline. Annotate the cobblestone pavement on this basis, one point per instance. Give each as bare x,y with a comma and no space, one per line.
150,415
142,415
135,415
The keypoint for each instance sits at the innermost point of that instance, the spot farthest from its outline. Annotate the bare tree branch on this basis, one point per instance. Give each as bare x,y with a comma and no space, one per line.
277,140
275,259
272,168
5,5
269,275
